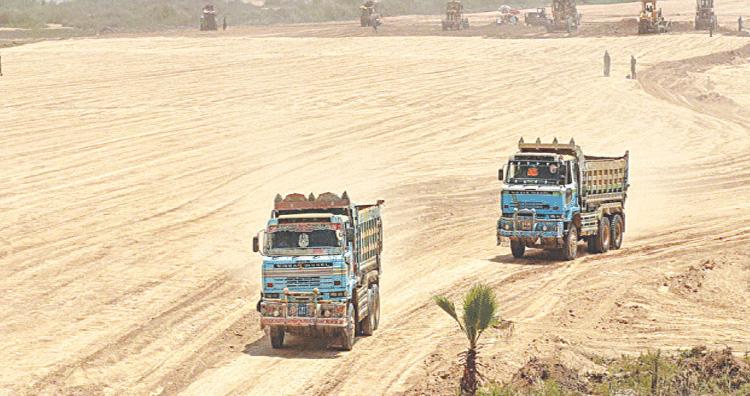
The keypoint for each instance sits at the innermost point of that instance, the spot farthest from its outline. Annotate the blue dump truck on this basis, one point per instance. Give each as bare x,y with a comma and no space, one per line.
554,196
321,268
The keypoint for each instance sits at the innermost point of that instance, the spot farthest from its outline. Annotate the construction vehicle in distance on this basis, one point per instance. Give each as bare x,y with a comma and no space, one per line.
208,18
369,16
651,19
321,268
536,18
508,15
553,196
705,17
565,17
454,16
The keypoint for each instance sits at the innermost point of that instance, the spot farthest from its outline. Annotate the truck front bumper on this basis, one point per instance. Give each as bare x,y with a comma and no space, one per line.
532,231
303,314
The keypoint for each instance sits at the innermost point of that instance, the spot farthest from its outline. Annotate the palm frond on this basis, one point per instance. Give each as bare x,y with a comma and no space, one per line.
479,307
447,305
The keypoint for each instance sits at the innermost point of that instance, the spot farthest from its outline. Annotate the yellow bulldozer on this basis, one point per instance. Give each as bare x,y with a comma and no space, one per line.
651,19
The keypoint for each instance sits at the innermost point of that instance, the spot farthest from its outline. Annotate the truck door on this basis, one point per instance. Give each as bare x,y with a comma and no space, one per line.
573,179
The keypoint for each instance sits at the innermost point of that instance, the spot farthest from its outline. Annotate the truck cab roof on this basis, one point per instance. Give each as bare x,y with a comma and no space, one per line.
312,216
537,156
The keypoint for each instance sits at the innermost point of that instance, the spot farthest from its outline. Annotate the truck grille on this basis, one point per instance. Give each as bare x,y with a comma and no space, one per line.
303,281
532,205
525,223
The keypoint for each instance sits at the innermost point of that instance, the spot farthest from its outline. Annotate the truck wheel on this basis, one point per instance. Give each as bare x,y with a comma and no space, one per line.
603,236
517,248
376,311
570,248
370,323
277,337
366,325
347,333
618,227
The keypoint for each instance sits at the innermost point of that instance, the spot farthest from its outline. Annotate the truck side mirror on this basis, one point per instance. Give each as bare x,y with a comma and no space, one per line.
256,244
500,174
350,235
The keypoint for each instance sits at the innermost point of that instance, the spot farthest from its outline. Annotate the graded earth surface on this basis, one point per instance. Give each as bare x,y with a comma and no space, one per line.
136,170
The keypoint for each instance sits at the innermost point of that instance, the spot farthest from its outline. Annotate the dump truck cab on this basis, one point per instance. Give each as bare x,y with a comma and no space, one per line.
553,196
321,268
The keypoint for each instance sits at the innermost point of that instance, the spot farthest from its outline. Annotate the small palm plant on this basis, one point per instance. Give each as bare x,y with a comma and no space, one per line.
480,313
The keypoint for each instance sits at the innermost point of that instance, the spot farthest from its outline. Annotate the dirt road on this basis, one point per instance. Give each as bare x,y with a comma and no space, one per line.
135,172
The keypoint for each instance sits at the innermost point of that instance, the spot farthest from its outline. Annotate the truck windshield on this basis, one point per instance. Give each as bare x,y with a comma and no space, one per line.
303,237
535,172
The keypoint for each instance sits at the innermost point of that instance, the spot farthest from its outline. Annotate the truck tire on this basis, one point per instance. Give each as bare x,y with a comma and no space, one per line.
347,333
376,295
603,236
517,248
277,337
365,326
618,228
370,323
570,247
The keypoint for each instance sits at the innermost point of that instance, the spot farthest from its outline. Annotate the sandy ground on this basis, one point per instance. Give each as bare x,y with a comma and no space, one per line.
135,172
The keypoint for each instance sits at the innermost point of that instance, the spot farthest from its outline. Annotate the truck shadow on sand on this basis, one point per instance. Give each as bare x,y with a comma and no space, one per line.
295,347
539,257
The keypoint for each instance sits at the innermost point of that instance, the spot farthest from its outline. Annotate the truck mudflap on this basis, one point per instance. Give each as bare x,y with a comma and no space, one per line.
302,314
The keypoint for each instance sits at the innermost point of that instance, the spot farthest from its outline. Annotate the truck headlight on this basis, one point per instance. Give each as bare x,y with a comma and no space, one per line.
544,228
507,227
275,313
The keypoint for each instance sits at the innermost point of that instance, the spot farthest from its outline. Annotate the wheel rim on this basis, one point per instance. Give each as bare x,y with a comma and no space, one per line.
605,237
350,328
618,234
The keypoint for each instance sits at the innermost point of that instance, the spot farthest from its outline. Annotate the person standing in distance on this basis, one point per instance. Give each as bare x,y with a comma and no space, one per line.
607,63
632,67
